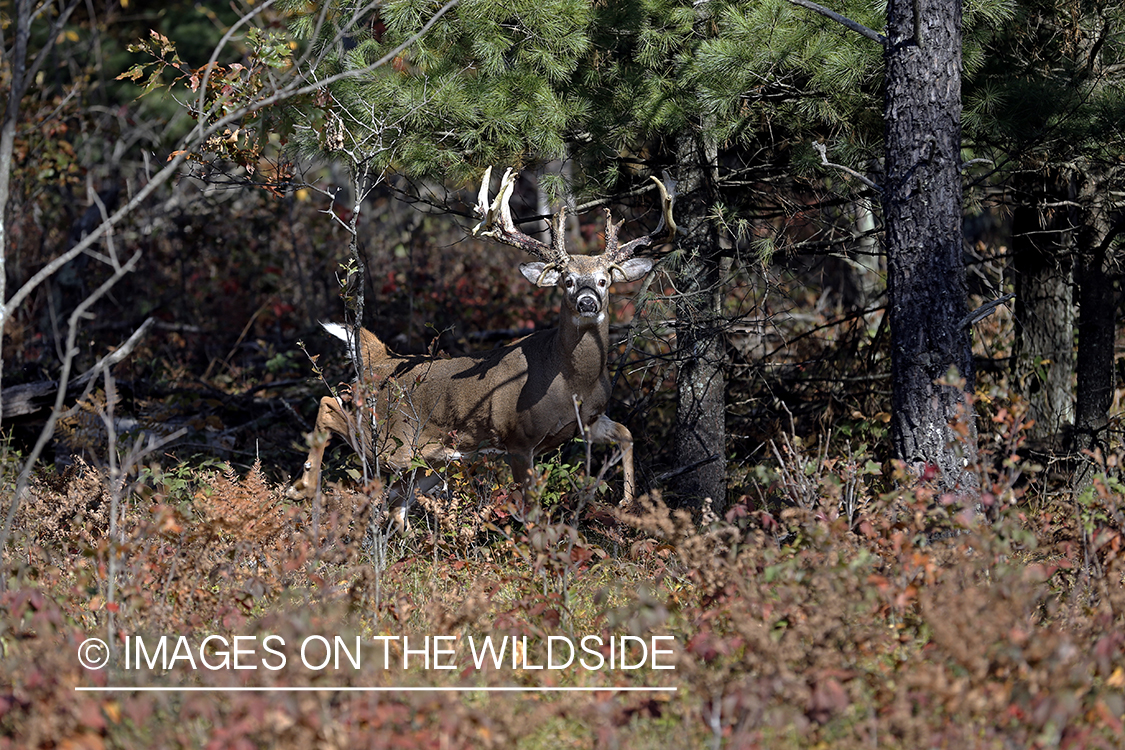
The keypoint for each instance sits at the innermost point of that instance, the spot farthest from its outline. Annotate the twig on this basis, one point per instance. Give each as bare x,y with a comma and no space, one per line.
823,151
57,412
980,160
983,311
685,469
117,354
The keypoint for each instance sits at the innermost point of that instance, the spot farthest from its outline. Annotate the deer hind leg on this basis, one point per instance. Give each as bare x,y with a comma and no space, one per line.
329,419
605,430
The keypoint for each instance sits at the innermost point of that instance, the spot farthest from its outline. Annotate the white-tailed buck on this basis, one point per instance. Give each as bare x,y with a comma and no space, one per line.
520,399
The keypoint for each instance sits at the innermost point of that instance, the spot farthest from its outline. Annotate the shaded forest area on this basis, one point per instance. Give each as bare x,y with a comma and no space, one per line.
322,167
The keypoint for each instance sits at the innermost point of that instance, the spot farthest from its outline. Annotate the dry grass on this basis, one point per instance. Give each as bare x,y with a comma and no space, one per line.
793,628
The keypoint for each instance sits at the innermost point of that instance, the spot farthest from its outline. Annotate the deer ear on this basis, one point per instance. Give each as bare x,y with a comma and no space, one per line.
540,274
632,269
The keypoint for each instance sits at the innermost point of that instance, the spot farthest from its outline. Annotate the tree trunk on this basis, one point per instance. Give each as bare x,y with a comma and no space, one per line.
925,268
1043,360
700,437
1097,325
17,61
866,258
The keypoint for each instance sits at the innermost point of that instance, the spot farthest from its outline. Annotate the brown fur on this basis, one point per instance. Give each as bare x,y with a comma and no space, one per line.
517,399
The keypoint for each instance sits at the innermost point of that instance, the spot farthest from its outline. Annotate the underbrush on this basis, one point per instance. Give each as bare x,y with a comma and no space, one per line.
829,609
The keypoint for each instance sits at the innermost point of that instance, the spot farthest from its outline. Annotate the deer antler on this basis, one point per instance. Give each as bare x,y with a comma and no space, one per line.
496,223
624,252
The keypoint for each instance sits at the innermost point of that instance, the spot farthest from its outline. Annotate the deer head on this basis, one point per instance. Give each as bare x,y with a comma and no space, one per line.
584,279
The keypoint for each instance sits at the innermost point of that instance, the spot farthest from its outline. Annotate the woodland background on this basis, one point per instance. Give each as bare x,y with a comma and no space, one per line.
265,166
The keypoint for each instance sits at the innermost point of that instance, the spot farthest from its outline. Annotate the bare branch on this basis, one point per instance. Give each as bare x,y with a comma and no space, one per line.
117,354
823,151
859,28
984,311
218,47
58,412
52,34
173,166
980,160
673,473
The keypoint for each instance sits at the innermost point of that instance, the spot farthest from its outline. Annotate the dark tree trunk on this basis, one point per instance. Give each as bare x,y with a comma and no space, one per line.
1042,249
700,437
1097,325
925,267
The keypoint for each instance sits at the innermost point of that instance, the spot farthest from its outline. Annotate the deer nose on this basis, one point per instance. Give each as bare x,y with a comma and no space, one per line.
587,304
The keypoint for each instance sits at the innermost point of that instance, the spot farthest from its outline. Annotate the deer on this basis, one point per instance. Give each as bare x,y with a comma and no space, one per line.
522,399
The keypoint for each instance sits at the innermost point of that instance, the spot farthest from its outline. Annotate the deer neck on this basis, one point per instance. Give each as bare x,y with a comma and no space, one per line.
583,346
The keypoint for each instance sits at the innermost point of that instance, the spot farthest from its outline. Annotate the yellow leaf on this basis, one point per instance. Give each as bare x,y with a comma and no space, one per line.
1117,679
303,194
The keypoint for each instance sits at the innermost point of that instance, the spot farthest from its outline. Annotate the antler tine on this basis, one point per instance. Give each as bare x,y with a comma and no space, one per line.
667,200
611,235
481,208
496,220
558,237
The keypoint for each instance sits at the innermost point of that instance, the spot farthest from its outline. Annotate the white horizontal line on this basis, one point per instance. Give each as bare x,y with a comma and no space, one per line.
351,689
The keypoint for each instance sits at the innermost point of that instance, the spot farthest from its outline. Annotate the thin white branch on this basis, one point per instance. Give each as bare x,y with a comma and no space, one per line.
823,151
980,160
858,28
215,54
117,354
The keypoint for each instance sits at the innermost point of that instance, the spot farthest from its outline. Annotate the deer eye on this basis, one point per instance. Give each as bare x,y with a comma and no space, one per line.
570,283
601,283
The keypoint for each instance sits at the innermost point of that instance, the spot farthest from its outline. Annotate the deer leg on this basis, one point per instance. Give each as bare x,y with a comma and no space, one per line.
523,471
398,504
400,496
330,418
605,430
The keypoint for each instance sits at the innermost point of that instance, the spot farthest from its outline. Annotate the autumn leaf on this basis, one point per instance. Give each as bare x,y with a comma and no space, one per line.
133,73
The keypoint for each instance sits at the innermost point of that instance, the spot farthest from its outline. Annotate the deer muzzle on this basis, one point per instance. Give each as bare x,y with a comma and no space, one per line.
588,302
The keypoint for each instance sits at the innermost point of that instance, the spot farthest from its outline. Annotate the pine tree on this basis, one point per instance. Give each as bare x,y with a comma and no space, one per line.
1047,107
485,85
626,89
922,208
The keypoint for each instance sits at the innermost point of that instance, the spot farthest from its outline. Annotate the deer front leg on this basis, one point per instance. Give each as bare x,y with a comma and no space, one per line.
400,496
523,471
605,430
330,418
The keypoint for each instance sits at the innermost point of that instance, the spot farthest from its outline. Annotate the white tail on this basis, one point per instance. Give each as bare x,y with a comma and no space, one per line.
520,399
